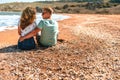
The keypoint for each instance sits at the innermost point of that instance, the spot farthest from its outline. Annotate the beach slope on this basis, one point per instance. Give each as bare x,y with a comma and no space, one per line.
88,48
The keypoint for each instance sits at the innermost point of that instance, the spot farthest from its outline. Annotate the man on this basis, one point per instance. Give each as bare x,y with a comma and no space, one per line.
48,28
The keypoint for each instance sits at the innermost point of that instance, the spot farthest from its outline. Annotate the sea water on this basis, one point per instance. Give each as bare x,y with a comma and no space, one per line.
10,20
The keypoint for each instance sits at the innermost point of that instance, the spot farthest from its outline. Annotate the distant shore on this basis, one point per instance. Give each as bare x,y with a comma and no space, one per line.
66,7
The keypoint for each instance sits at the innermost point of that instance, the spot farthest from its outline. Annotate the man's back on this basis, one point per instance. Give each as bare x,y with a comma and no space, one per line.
49,32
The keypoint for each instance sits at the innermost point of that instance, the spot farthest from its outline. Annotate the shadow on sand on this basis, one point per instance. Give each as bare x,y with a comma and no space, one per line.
8,49
14,49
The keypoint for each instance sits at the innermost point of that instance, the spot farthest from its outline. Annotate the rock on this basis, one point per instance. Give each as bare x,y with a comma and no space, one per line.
38,9
58,8
65,6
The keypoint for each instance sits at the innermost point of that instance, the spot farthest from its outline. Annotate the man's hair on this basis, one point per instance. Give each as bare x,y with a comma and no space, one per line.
48,9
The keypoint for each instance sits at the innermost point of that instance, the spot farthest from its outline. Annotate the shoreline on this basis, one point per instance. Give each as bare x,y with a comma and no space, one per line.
8,24
10,37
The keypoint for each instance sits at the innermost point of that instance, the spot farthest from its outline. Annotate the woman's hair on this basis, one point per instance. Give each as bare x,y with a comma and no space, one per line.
48,9
28,16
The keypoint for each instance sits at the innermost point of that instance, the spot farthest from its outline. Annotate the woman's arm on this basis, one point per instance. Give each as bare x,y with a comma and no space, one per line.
19,30
31,34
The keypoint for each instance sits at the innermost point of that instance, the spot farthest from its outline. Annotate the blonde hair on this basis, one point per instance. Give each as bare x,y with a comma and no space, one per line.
28,16
48,9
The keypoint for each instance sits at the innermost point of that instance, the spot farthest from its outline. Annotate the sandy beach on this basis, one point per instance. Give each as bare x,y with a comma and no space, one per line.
88,49
8,37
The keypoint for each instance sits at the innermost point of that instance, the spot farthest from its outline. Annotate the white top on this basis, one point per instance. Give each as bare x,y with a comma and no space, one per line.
28,29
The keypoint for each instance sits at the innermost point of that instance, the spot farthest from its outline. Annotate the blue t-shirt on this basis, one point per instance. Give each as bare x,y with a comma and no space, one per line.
49,32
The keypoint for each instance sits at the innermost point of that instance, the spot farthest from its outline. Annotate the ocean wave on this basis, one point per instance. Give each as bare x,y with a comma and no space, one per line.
9,20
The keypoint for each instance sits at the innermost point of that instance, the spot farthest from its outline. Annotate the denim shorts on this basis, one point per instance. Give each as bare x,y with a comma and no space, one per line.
27,44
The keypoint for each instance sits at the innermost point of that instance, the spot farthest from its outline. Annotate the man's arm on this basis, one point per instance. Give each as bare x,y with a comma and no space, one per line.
31,34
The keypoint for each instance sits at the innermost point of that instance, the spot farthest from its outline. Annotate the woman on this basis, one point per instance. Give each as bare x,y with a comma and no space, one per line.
26,25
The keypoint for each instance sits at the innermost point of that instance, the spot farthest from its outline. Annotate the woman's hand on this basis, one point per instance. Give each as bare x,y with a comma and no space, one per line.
21,39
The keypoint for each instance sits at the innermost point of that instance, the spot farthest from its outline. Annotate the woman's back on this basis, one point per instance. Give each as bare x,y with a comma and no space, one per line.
26,25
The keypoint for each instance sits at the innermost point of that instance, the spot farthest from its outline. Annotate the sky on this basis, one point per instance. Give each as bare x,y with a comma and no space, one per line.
8,1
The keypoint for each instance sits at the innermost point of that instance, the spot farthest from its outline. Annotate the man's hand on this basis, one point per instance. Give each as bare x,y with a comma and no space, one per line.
29,35
21,39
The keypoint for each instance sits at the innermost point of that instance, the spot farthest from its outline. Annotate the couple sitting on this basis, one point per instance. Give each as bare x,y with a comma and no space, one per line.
27,29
